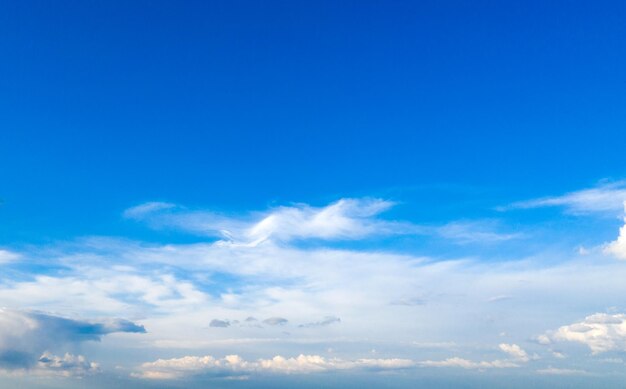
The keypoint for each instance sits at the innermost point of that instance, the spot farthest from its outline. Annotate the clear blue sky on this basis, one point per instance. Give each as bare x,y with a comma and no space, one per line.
237,105
432,187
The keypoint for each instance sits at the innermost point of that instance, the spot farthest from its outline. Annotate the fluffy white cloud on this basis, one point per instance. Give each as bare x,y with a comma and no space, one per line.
607,198
515,351
600,332
234,364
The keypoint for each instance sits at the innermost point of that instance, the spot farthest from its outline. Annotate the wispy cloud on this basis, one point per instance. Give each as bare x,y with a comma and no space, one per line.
345,219
516,356
8,256
606,198
560,371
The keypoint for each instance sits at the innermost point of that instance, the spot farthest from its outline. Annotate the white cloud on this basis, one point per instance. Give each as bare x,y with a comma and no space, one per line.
8,256
600,332
143,210
468,364
607,198
477,231
234,364
177,289
617,248
515,351
344,219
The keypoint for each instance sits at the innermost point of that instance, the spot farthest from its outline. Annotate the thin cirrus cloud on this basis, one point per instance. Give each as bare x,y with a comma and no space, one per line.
345,219
606,198
561,372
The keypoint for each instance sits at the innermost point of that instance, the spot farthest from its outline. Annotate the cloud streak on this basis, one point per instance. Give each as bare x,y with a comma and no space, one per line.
607,198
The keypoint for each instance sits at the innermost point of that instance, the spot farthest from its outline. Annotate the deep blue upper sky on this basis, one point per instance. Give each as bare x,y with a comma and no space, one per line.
237,105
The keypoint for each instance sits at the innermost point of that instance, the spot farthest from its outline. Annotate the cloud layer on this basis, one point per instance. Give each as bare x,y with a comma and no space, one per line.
235,365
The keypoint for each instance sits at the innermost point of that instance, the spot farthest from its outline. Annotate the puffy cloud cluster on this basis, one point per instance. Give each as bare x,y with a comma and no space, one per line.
600,332
235,365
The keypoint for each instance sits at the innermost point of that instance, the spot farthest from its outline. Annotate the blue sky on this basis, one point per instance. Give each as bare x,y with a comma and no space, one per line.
421,190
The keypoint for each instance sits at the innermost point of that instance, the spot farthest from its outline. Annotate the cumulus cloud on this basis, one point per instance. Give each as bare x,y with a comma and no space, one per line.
515,351
26,336
607,198
600,332
617,248
234,364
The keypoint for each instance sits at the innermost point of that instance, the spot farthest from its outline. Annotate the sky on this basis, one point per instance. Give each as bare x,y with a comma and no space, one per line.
329,194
